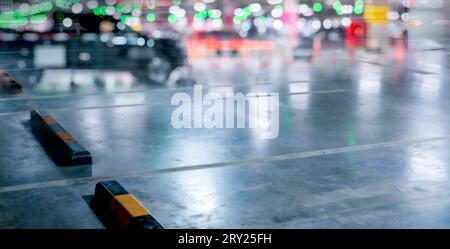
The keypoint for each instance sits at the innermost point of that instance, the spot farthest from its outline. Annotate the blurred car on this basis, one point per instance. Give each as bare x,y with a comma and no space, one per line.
304,49
220,42
332,35
94,42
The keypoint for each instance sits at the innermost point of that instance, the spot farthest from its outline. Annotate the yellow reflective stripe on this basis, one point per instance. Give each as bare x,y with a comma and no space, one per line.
132,206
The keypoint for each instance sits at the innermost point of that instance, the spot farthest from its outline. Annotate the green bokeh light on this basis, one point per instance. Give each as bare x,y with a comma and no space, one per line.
358,11
119,8
237,20
317,7
151,17
172,18
38,19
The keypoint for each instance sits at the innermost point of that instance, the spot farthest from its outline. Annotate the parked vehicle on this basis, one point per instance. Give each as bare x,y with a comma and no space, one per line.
94,42
304,49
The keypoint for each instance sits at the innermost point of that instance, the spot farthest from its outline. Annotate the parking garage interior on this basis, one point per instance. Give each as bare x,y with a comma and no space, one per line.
363,117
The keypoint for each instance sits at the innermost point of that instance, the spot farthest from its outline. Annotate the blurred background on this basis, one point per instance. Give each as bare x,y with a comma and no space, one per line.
168,42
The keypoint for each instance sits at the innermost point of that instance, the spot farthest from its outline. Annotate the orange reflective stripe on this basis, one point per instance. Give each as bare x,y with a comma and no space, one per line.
49,120
66,137
7,78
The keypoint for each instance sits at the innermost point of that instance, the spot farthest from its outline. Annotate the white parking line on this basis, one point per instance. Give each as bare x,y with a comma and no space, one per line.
143,91
155,103
235,163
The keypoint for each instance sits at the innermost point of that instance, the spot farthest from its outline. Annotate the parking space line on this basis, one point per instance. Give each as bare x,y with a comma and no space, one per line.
157,103
412,70
234,163
145,91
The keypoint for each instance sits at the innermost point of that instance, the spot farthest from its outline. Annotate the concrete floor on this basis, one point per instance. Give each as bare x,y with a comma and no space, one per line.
364,141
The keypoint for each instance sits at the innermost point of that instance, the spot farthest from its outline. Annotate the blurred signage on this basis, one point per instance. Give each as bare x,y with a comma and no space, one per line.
376,14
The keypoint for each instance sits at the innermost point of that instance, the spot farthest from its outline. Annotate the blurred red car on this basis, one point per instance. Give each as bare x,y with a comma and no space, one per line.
203,43
220,42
